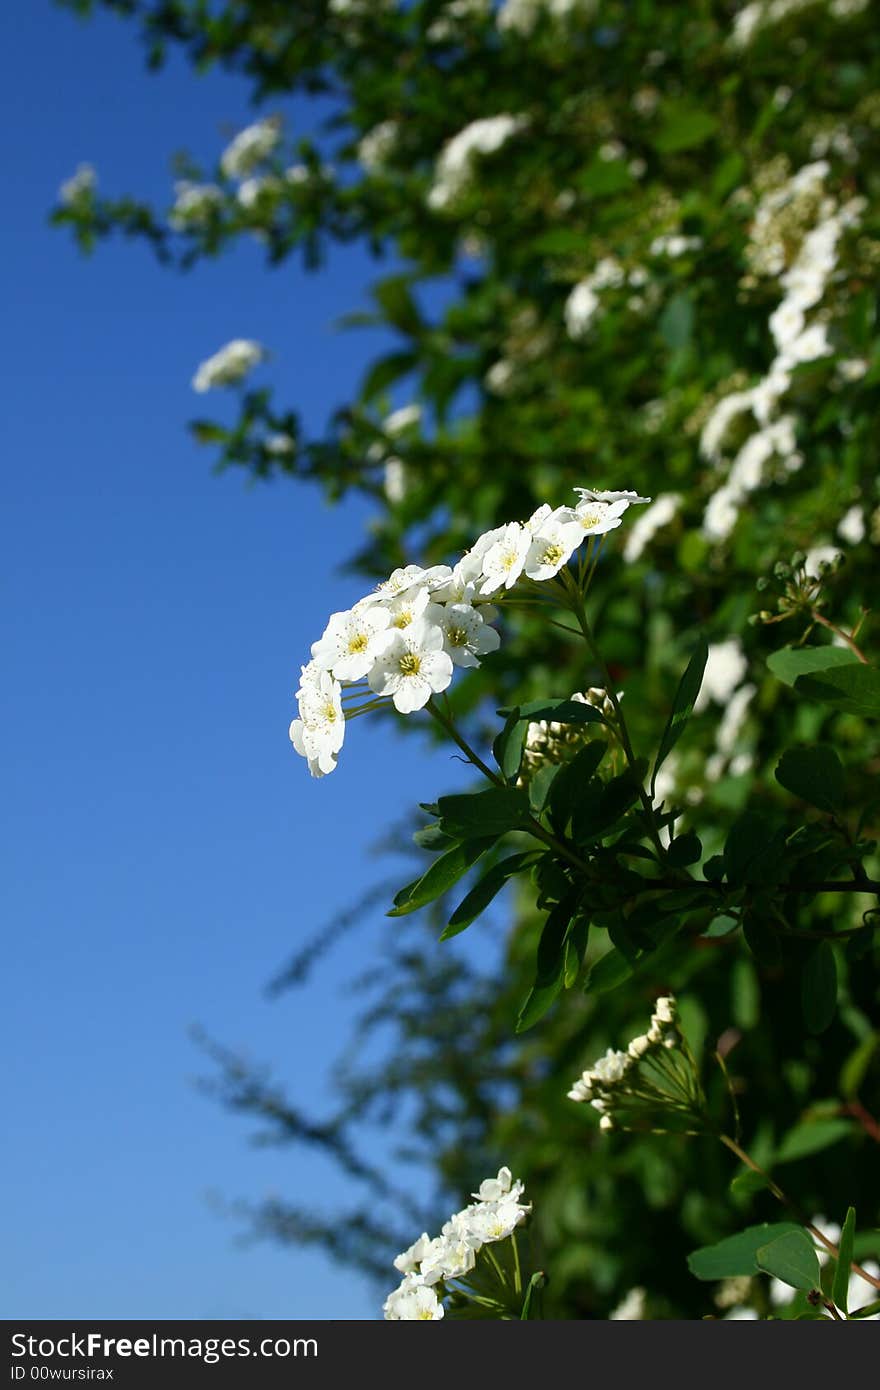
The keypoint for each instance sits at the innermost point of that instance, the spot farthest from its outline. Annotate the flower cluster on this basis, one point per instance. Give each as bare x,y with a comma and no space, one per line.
456,162
524,16
760,14
250,147
80,186
403,641
652,1085
230,365
194,205
799,213
547,741
429,1264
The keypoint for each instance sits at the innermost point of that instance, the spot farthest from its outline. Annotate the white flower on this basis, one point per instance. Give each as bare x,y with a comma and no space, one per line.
412,667
595,518
631,1309
256,187
407,608
504,559
419,1304
466,636
809,345
851,526
658,515
194,204
408,1261
319,732
726,668
580,309
819,556
81,183
230,365
612,1067
351,642
497,1220
493,1188
376,147
786,323
553,540
500,377
861,1293
250,147
403,419
279,444
457,158
722,417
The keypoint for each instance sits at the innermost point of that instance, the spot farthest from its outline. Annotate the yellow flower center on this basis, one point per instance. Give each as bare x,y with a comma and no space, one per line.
410,664
457,636
403,618
552,555
358,642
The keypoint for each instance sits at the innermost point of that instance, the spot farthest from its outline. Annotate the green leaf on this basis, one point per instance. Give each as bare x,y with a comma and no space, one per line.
682,705
761,938
684,850
531,1308
541,784
482,893
810,1137
431,837
491,812
442,875
813,774
747,1183
573,779
734,1257
594,816
508,746
385,371
575,948
791,1258
840,1286
852,1073
608,972
684,128
751,851
676,323
819,988
854,688
395,299
560,711
550,966
791,662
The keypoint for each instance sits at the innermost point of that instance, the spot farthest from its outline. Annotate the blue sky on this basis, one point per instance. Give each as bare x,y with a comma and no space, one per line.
165,849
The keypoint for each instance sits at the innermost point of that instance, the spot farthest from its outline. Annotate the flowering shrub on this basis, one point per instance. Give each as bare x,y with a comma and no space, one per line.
658,229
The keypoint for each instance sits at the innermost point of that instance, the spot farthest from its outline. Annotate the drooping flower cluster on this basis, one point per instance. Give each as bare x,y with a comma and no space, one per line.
230,365
523,16
653,1085
799,214
430,1264
81,185
760,14
457,158
547,741
250,147
403,641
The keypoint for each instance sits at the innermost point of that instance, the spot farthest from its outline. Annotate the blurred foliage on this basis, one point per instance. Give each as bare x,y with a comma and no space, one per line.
658,142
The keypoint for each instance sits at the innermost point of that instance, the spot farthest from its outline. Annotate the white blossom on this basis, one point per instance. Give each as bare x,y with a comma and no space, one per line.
351,642
631,1308
457,159
505,559
412,667
230,365
81,183
851,527
466,636
194,204
662,510
726,668
553,540
318,733
250,147
376,147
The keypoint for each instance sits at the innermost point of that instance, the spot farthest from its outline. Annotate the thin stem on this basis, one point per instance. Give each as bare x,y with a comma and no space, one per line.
517,1271
792,1206
532,826
832,627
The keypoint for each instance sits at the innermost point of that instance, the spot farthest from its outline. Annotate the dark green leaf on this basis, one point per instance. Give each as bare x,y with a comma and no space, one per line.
810,1137
684,128
550,965
751,851
573,779
819,987
854,687
541,784
575,948
508,746
491,812
734,1257
682,705
813,774
395,299
840,1287
593,815
684,850
608,972
482,893
791,662
761,938
385,371
791,1258
442,875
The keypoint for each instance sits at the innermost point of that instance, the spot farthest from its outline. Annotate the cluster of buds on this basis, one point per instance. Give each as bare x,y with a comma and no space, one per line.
549,742
798,583
653,1085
